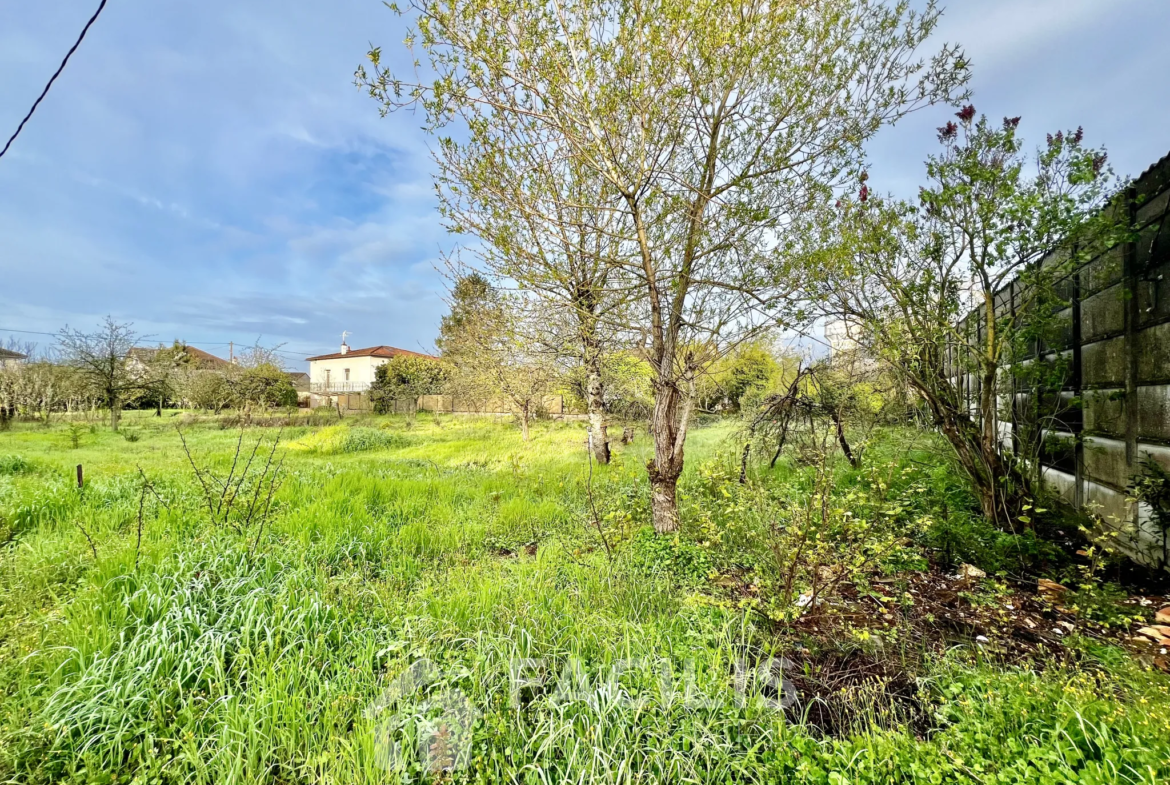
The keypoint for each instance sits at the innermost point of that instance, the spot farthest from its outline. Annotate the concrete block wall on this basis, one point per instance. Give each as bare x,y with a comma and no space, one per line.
1117,344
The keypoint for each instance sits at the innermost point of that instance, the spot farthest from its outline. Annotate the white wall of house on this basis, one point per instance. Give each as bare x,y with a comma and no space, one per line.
343,374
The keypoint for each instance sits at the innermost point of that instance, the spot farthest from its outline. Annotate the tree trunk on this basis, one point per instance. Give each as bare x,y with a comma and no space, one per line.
1001,489
115,413
595,399
853,461
524,420
668,426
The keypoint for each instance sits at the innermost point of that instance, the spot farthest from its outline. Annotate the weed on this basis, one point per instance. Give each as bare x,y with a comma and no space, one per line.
187,653
14,464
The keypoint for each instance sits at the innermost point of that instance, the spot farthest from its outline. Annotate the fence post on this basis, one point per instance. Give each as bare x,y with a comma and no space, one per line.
1130,291
1078,391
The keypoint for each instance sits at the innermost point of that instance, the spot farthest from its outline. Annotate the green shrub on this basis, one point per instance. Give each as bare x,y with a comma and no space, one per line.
14,464
671,556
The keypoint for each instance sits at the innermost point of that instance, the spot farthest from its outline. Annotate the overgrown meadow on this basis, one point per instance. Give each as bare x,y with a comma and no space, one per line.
148,636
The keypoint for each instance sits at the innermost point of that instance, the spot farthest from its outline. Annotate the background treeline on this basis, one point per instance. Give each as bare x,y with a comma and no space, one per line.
105,371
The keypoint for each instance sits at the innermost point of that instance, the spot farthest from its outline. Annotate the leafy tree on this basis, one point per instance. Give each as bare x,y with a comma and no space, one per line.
265,385
702,128
208,389
488,352
906,275
100,358
406,377
748,368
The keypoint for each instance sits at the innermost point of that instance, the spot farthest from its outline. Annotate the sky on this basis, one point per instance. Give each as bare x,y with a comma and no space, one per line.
209,171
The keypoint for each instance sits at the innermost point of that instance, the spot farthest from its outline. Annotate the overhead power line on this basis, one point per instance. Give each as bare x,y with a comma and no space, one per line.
289,353
60,68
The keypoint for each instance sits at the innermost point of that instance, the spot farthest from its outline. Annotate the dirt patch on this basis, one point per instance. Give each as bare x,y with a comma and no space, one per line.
933,611
855,658
842,693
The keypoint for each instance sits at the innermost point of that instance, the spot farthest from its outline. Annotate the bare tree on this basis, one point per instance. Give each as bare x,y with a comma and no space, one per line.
100,357
257,354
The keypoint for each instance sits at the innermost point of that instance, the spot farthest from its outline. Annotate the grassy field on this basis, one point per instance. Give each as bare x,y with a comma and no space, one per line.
433,600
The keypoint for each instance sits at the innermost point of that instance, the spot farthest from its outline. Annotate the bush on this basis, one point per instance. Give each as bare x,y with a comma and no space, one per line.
406,377
677,558
14,464
265,385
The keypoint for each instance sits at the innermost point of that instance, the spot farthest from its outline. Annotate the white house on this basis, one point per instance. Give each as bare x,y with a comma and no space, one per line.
350,370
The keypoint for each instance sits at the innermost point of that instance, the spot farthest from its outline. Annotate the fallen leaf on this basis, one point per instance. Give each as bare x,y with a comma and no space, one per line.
1163,616
1051,590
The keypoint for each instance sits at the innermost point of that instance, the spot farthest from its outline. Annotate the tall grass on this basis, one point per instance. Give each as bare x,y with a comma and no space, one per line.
460,544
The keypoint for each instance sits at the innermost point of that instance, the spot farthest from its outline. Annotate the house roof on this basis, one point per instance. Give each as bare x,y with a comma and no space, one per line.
205,359
6,354
373,351
201,358
299,379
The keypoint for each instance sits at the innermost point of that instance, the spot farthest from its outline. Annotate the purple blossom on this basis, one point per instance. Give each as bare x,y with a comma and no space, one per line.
1099,163
1079,136
1010,123
948,132
864,194
966,114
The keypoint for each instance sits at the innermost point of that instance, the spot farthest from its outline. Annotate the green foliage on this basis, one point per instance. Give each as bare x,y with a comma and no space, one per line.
683,561
207,389
14,464
406,377
925,285
749,369
207,666
342,439
263,385
1152,486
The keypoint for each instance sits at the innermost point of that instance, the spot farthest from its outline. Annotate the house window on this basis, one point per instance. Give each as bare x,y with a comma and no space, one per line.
347,374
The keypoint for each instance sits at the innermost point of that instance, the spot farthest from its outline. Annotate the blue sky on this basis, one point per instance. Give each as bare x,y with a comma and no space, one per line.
208,170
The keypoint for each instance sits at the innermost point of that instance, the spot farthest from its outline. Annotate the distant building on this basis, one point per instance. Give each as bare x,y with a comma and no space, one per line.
10,359
300,382
841,336
351,370
140,356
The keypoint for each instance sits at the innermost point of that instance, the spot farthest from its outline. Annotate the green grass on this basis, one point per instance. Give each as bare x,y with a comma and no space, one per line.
392,542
